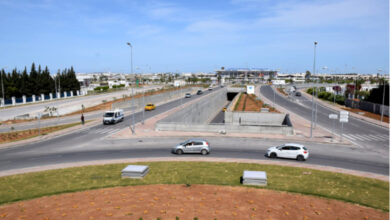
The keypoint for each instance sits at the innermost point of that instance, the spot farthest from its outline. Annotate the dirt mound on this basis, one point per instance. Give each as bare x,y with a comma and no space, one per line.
185,202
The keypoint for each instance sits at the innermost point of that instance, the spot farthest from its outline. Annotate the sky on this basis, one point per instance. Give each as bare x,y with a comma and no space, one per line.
196,36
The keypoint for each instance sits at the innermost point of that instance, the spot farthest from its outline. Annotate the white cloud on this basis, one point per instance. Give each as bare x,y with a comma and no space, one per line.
213,26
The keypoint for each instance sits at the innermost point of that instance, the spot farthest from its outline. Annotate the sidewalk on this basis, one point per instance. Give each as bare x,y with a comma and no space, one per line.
338,107
302,126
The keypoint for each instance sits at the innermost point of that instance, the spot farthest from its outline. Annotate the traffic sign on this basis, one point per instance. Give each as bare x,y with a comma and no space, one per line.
333,116
343,120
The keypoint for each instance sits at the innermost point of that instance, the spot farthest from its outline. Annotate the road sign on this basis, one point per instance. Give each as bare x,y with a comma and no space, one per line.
333,116
343,120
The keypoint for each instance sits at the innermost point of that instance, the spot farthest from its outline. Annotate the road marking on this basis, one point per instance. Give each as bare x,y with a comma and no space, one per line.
365,137
349,137
357,137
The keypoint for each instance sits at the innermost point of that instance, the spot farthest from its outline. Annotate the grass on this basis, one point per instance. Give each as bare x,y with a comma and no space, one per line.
364,191
26,134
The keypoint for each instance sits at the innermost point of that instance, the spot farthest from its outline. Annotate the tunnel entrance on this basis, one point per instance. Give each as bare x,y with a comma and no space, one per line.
231,95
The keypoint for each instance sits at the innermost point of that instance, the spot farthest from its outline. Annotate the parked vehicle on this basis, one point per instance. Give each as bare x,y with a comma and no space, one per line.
113,117
210,88
188,95
290,150
199,92
192,146
298,94
150,107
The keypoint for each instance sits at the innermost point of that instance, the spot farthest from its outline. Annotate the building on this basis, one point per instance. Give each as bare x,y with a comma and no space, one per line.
247,74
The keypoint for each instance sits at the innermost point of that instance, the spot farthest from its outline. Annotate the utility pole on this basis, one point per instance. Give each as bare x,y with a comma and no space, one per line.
312,97
132,92
2,89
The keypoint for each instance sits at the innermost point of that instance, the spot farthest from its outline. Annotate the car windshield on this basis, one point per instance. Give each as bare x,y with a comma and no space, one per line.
304,148
109,114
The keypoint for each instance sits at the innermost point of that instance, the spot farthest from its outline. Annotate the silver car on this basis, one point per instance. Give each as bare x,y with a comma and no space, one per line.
192,146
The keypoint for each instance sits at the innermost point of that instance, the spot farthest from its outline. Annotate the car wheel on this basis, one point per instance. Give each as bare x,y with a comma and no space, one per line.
272,155
300,158
203,152
179,152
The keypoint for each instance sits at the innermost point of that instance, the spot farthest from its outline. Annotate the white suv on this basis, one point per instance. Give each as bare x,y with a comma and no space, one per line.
290,150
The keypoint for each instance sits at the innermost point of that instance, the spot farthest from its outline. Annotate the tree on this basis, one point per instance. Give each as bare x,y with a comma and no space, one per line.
307,74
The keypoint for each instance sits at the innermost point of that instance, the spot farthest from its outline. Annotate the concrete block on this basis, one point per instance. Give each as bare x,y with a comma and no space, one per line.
58,95
258,178
135,171
78,92
13,100
65,94
24,99
264,110
33,98
51,96
42,97
71,93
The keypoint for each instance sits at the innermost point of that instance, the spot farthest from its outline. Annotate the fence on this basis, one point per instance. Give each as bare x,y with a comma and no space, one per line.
368,106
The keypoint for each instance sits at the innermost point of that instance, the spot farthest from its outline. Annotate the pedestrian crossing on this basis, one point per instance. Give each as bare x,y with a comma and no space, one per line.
102,131
367,137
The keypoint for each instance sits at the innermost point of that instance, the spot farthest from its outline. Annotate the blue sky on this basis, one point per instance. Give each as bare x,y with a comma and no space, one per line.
192,36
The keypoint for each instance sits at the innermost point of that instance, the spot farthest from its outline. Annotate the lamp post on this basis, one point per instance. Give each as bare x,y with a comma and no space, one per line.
132,92
2,89
312,97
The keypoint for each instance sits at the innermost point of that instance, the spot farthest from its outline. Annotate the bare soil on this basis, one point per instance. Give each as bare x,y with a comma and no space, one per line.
281,90
249,103
21,135
185,202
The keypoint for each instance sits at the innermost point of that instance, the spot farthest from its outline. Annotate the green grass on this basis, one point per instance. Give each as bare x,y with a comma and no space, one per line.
364,191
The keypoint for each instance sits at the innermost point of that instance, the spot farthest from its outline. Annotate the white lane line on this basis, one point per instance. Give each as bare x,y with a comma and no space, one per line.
355,137
114,131
376,137
349,137
367,138
359,137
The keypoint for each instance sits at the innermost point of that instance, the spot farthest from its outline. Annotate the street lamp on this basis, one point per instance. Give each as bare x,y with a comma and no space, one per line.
2,87
132,91
312,97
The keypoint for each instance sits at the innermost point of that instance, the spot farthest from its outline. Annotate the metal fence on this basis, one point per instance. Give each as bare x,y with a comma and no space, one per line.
368,106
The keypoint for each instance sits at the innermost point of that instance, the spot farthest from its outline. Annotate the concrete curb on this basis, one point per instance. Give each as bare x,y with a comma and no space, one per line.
195,159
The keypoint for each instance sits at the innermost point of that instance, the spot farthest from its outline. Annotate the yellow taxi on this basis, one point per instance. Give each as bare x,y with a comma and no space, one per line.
150,107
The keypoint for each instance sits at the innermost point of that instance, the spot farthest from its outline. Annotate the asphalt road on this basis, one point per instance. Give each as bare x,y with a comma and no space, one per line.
364,134
91,144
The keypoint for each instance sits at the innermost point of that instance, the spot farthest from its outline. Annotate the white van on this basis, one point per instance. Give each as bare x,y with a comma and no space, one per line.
113,117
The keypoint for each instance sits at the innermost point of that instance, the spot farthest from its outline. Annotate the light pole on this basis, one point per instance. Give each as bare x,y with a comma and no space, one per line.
132,92
312,97
2,89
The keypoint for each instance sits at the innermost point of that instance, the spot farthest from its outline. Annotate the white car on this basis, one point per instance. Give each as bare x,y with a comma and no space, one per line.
290,150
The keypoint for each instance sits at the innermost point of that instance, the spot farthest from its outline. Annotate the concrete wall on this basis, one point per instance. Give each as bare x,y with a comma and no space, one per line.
264,129
155,99
200,112
254,118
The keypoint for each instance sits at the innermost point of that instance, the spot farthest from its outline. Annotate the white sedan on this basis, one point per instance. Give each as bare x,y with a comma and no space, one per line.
290,150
